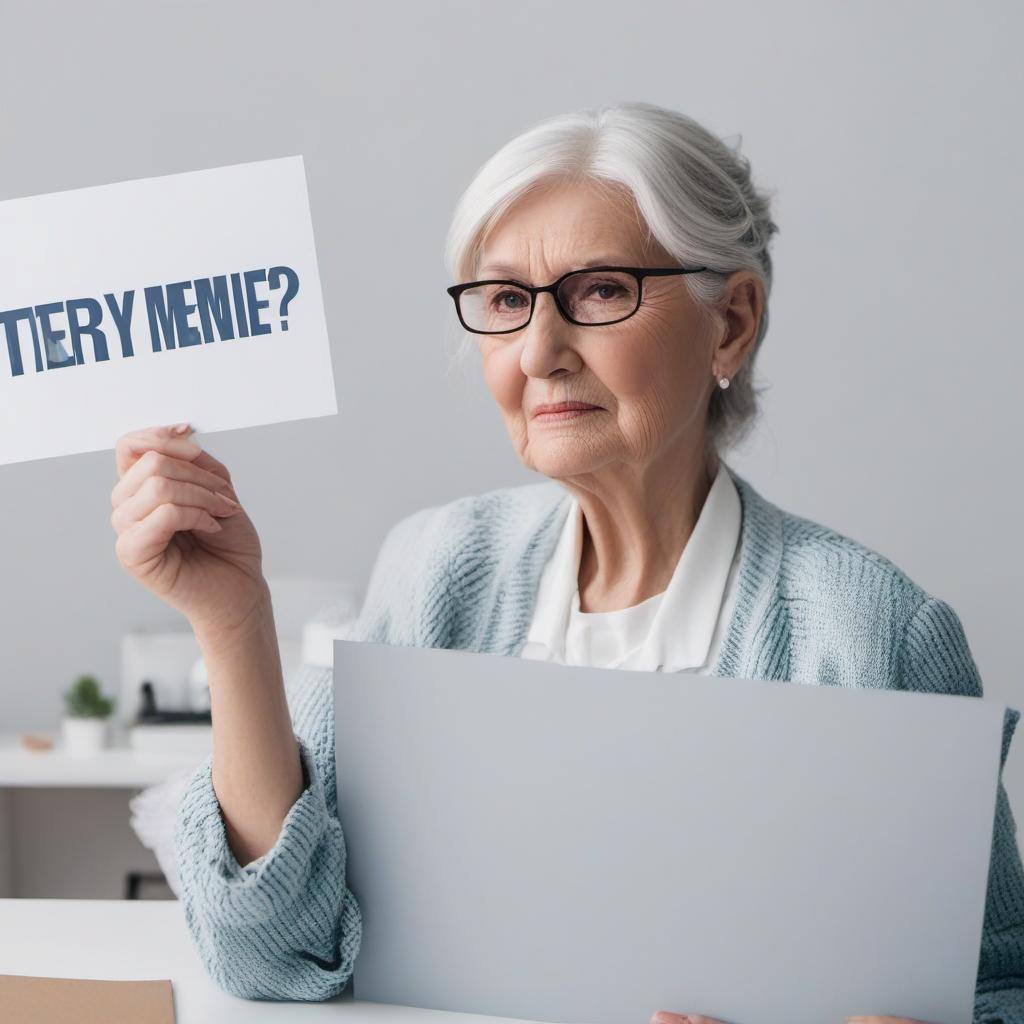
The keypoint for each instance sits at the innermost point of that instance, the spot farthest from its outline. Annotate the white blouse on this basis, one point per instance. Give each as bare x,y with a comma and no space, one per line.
677,630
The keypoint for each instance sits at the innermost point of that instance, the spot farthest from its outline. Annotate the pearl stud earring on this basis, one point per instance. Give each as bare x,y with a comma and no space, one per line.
723,382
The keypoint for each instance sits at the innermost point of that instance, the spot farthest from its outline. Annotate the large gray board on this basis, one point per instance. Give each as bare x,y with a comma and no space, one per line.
532,840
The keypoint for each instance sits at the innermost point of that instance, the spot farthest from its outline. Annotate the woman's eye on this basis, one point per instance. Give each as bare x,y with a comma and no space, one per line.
509,295
612,287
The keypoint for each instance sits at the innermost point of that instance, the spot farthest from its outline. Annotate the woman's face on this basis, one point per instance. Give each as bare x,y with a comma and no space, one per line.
649,375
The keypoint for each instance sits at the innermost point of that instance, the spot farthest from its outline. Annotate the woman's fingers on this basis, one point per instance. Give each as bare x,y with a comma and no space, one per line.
147,539
132,446
156,491
206,461
157,463
171,441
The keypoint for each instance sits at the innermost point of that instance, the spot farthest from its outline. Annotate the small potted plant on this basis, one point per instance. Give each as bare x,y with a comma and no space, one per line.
84,725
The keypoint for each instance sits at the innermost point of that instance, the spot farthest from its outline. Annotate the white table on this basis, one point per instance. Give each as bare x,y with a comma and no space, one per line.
149,940
117,767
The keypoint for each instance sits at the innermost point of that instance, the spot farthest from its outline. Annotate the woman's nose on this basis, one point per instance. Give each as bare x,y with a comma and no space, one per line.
547,340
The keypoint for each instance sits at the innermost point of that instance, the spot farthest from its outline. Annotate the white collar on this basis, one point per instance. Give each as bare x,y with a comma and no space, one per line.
684,624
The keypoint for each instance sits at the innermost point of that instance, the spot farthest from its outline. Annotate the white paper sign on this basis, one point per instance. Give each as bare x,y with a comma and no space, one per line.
188,297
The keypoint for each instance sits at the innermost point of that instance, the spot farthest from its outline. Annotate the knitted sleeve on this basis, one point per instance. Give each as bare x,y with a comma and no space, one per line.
936,658
285,926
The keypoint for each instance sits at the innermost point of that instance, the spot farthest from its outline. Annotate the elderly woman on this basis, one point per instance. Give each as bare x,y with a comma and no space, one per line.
614,272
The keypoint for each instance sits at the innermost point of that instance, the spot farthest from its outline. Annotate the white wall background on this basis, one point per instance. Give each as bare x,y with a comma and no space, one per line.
889,132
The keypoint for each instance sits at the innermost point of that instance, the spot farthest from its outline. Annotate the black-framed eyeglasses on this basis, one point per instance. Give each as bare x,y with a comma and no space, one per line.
592,297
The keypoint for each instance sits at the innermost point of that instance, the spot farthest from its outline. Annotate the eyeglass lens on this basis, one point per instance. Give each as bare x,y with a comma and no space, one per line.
591,297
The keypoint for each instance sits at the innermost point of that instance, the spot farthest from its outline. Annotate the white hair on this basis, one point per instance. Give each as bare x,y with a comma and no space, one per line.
693,191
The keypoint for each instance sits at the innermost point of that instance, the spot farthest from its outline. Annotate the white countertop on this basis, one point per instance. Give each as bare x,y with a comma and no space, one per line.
119,767
138,940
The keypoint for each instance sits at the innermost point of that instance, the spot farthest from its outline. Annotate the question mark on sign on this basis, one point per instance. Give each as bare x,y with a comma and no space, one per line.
274,276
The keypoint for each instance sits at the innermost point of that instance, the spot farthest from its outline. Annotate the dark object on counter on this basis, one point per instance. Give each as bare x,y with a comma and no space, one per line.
149,714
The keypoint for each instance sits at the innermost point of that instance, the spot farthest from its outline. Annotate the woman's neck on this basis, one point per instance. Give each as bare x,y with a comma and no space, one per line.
635,527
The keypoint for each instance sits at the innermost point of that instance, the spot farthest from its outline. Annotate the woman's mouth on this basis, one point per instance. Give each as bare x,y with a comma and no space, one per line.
563,411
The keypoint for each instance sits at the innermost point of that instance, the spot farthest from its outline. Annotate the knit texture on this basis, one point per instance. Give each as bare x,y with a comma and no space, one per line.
812,606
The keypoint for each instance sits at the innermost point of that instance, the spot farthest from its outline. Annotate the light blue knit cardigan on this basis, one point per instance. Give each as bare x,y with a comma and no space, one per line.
812,606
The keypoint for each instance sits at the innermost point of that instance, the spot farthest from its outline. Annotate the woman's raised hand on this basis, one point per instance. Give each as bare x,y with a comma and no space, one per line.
181,531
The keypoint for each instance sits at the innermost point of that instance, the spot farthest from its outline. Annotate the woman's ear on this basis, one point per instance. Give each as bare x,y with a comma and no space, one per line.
740,311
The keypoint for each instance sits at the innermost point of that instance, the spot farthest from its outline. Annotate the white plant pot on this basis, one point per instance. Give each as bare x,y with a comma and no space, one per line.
83,736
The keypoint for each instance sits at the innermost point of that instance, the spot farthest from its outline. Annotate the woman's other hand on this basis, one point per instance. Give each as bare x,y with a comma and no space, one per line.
664,1017
881,1020
182,532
